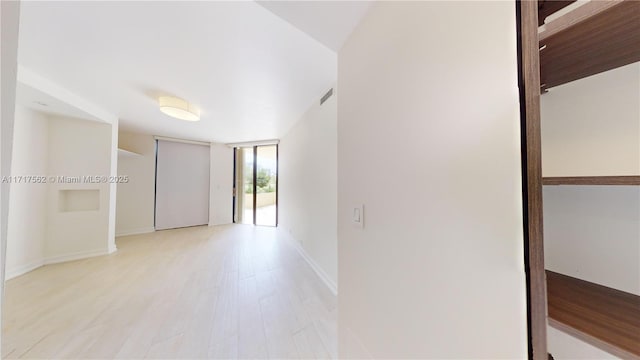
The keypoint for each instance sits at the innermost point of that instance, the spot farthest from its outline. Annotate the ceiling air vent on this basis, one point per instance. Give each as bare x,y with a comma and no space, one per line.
326,96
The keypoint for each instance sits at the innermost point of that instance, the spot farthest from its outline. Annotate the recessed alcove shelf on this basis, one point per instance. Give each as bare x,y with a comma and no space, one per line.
79,200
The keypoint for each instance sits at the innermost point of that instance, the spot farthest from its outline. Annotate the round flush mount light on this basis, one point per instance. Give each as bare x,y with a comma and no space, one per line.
178,108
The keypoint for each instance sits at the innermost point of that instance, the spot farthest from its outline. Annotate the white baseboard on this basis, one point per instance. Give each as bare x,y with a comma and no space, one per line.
23,269
136,231
333,287
75,256
211,224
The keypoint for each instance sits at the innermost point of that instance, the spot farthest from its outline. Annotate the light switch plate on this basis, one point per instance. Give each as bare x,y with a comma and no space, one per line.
357,216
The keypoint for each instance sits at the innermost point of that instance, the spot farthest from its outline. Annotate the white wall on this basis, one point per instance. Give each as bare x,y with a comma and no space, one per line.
593,233
78,148
55,145
221,192
135,199
429,142
39,231
10,19
592,127
308,187
28,204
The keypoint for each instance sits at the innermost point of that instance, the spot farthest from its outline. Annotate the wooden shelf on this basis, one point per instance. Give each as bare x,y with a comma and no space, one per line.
591,39
592,180
604,317
548,7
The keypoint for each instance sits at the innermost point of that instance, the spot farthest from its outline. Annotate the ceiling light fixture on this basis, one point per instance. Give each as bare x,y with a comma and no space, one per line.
178,108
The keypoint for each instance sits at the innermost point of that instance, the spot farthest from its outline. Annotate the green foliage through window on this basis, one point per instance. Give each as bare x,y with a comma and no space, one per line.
265,182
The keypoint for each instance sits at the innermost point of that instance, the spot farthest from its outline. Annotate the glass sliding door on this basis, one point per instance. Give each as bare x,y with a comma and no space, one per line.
256,185
266,185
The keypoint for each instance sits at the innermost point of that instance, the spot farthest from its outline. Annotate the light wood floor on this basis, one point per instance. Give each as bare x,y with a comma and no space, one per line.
235,291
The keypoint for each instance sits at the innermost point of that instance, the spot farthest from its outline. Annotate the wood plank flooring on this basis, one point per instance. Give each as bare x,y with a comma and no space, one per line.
233,291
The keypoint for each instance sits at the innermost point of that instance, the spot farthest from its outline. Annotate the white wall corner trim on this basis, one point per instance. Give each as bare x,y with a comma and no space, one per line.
136,231
23,269
326,279
75,256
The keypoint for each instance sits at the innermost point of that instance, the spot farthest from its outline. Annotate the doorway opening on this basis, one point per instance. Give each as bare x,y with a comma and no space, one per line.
255,185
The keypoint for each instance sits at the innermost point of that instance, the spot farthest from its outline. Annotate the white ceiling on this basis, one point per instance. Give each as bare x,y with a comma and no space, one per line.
252,73
45,102
329,22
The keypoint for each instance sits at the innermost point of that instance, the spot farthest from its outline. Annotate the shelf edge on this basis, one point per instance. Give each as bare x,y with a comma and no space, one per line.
626,180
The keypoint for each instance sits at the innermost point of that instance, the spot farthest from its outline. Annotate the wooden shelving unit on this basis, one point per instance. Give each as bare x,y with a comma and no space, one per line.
592,180
596,37
604,317
586,40
548,7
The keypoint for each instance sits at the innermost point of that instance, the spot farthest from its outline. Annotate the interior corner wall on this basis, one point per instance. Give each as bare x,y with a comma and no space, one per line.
221,191
429,143
307,185
77,148
27,222
135,198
